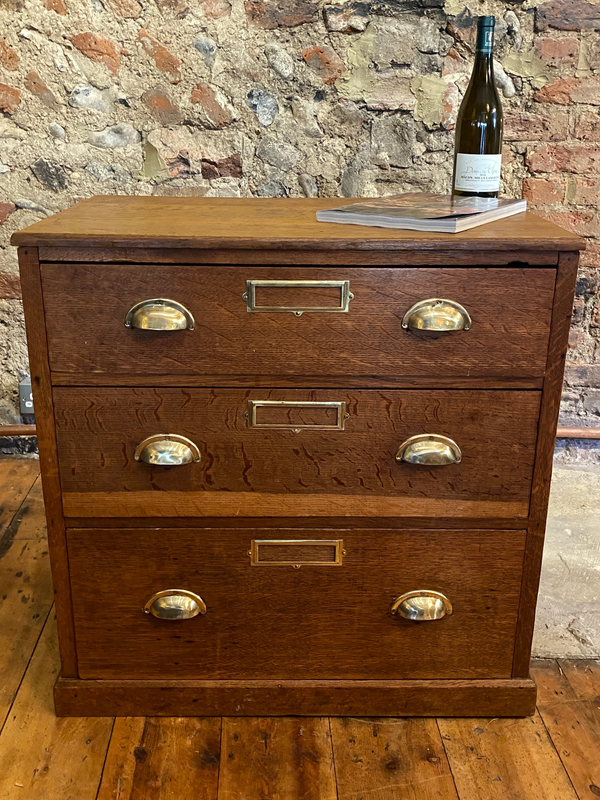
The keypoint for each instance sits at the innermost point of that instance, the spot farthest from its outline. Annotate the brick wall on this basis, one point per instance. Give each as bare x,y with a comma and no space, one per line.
291,98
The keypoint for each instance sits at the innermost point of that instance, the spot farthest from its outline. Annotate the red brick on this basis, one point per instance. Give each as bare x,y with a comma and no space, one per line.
58,6
229,167
567,15
557,52
216,112
587,126
9,98
179,8
9,58
215,9
165,60
583,191
544,192
161,105
6,209
579,159
591,255
575,338
36,86
128,9
98,49
584,223
270,14
10,286
542,126
325,62
567,91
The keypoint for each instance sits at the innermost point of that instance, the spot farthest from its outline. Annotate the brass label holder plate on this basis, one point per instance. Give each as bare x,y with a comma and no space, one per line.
258,547
255,405
251,305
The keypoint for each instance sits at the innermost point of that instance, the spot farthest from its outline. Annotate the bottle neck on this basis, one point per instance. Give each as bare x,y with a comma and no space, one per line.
483,52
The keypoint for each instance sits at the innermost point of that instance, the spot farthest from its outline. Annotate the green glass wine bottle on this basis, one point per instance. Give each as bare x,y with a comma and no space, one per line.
478,143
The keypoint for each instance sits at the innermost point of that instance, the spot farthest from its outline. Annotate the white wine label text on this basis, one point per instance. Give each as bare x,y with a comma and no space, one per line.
477,173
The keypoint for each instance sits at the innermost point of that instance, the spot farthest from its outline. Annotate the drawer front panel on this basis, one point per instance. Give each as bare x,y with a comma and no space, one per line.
307,623
241,326
303,464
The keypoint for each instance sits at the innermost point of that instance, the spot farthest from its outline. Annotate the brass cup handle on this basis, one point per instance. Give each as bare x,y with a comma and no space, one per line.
175,604
167,450
159,314
422,605
430,449
437,315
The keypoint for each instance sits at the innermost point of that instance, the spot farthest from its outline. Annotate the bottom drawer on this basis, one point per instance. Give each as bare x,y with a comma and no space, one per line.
329,618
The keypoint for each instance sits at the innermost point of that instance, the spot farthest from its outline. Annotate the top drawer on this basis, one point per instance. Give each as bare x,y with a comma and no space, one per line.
350,329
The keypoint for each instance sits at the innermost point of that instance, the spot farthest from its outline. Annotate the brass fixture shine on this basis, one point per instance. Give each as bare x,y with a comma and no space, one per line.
345,296
258,546
254,405
430,449
422,605
167,450
159,314
174,604
437,315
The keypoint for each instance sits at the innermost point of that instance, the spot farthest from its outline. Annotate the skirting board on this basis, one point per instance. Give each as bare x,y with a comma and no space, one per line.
408,698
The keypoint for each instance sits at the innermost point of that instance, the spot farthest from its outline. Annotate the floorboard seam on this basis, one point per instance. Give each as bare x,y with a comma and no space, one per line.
556,750
105,759
335,777
448,761
31,655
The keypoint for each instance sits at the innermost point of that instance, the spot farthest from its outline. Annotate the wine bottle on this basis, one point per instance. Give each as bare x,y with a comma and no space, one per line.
478,143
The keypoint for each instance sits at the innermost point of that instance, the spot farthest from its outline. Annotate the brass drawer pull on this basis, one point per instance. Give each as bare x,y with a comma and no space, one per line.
422,605
430,449
175,604
167,450
437,315
287,406
254,306
159,314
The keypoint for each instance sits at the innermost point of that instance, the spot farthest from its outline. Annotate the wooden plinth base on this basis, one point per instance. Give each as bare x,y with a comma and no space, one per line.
410,698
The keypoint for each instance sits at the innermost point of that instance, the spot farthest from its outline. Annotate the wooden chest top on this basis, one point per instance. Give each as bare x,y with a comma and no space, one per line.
259,224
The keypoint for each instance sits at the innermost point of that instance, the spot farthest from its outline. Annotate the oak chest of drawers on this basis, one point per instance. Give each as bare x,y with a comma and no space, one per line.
290,467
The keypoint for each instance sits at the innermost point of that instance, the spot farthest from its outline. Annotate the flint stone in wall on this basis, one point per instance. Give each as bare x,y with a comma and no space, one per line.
280,60
119,135
207,49
52,175
278,153
263,104
86,96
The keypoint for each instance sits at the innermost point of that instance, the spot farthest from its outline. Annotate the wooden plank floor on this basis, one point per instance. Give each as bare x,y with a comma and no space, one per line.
554,755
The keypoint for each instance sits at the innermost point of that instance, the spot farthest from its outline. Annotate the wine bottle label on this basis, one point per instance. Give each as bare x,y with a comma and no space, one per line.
477,173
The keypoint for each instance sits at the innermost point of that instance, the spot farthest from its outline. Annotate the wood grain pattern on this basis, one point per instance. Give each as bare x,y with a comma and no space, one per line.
258,223
35,324
359,258
277,758
98,431
493,698
498,759
540,490
26,589
42,756
341,614
510,309
248,505
162,759
568,702
17,476
389,759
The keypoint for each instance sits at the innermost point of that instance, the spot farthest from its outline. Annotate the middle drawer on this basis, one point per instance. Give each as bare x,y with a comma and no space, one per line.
295,453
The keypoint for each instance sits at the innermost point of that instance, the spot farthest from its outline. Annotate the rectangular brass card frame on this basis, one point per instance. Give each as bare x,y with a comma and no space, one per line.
345,296
339,406
256,544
